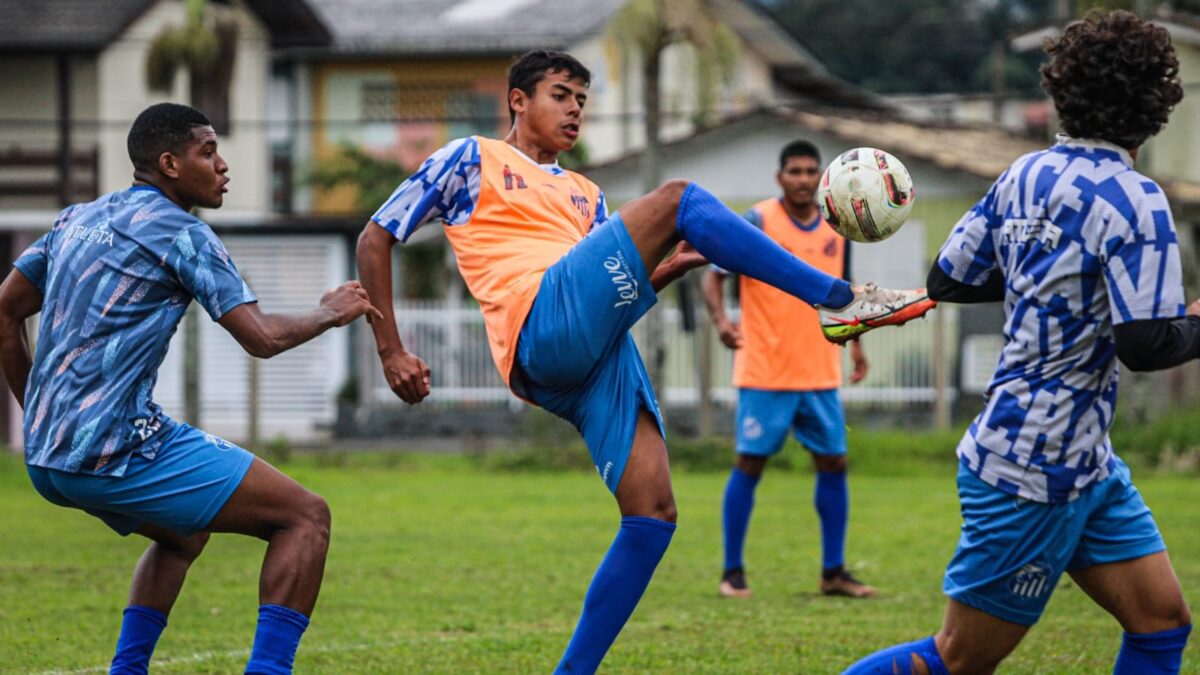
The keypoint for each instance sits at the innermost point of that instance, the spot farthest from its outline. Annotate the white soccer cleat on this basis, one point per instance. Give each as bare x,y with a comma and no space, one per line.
871,308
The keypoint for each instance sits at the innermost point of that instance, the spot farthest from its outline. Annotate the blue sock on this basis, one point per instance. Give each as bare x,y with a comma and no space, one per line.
739,502
898,660
279,631
832,499
731,243
140,629
618,585
1152,653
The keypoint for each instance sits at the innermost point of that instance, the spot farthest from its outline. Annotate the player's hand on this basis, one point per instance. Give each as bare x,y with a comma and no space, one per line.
1194,308
860,363
687,257
731,335
407,375
348,302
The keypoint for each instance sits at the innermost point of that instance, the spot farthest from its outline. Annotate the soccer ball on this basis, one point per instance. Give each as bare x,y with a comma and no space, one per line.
865,194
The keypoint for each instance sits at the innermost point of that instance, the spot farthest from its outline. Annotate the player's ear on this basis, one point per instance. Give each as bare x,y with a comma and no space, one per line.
168,165
517,99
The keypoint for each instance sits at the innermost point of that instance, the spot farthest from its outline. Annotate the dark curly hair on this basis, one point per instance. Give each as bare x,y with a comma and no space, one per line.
1113,76
163,127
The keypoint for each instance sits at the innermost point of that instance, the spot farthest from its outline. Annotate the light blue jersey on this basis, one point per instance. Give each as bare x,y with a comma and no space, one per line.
116,275
1084,242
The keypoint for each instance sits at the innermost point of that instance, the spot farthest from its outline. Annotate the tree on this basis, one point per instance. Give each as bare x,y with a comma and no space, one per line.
645,29
205,46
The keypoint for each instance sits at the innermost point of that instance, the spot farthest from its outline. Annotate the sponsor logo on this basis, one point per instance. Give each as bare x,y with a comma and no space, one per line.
513,179
1020,230
1030,581
830,249
622,277
97,235
604,473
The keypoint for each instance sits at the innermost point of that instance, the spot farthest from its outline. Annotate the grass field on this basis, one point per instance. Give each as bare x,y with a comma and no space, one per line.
439,566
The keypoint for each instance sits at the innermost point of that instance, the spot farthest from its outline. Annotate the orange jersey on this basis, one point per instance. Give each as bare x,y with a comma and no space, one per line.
507,218
783,348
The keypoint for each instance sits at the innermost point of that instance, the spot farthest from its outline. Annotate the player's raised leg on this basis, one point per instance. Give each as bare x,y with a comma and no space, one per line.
648,514
295,524
683,210
1144,596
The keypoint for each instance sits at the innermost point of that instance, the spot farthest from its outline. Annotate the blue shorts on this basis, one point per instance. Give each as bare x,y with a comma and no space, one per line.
764,418
1012,551
575,356
190,478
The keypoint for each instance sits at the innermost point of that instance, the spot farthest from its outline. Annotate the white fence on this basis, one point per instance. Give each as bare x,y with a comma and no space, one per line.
451,340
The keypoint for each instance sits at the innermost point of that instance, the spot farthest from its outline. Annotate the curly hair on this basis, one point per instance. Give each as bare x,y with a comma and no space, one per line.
1113,76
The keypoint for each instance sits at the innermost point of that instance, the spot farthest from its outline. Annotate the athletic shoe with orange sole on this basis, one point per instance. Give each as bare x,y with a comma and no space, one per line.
733,584
872,308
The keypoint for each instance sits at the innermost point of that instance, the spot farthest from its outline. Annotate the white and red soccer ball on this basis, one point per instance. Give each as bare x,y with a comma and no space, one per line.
865,194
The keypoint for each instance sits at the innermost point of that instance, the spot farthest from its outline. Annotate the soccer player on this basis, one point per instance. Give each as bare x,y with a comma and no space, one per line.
1082,250
112,280
788,375
560,283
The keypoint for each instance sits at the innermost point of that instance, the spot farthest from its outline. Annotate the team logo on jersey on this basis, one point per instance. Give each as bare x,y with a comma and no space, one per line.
513,179
751,428
622,277
1030,581
221,443
581,203
830,248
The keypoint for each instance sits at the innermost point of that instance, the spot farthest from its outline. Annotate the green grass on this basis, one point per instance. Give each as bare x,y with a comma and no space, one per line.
439,565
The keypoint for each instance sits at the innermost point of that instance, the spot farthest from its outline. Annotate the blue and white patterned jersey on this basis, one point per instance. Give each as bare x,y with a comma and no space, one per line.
1084,242
446,188
116,275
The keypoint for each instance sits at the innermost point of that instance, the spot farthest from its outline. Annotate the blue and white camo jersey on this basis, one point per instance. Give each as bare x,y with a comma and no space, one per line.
1084,242
446,188
116,275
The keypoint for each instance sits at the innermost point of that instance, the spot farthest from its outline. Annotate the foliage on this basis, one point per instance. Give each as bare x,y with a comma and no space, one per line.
205,46
374,178
438,567
648,27
917,45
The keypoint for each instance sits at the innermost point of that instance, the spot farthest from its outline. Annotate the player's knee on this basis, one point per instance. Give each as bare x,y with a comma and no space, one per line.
830,464
960,655
672,190
315,518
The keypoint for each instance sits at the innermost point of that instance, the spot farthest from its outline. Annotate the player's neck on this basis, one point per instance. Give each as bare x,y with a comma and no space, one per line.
803,214
140,178
530,147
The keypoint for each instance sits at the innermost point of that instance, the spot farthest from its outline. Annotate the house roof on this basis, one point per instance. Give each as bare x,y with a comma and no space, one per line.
981,151
984,152
411,28
51,26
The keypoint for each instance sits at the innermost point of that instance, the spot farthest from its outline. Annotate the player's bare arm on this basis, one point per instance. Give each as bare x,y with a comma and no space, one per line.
406,374
265,335
19,300
713,288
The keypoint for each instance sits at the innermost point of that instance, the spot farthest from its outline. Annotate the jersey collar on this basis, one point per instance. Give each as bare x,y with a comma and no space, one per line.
806,227
1095,144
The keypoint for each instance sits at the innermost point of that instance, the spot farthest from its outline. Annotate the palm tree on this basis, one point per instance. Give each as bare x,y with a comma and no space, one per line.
205,46
645,29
